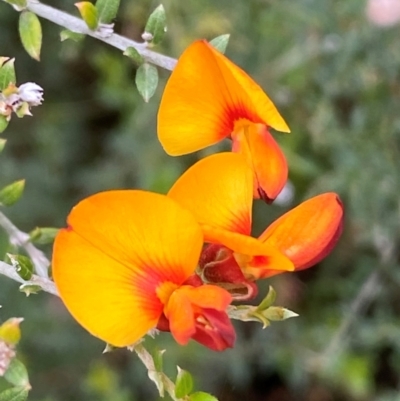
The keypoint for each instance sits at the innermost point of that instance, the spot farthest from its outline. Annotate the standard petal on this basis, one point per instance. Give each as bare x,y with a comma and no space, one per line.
307,233
265,157
119,247
218,191
147,231
108,298
203,98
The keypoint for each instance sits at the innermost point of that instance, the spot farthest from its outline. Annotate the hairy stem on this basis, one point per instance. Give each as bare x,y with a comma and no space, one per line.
75,24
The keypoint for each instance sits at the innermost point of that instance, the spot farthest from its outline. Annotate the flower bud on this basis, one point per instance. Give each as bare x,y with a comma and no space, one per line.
31,93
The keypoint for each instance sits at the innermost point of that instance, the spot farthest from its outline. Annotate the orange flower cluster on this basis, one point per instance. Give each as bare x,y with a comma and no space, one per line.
130,261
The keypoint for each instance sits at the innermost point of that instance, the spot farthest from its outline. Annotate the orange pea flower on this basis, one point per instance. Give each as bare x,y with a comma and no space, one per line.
209,98
125,263
218,192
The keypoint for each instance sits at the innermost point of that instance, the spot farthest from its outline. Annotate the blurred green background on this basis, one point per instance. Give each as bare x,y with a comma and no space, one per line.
333,70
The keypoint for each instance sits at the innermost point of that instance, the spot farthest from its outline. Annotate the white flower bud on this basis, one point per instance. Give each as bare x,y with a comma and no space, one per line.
31,93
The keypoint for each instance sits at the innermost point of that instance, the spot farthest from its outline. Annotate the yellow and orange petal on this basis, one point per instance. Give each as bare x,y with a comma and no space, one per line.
307,233
118,247
204,97
185,307
218,191
265,157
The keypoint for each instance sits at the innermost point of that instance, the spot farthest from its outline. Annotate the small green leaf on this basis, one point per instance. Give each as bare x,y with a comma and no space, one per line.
43,235
268,300
146,80
30,32
183,383
16,374
157,355
18,5
11,193
10,331
23,265
278,313
107,10
89,14
14,394
7,72
29,289
2,144
220,42
67,34
201,396
3,123
156,26
132,53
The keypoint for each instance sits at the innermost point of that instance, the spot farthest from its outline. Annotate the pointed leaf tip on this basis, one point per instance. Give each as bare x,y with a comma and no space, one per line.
10,194
146,80
220,42
183,383
30,32
107,10
156,26
7,72
89,14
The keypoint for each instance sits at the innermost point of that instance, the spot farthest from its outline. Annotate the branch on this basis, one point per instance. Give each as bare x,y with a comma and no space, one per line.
156,377
75,24
21,239
44,283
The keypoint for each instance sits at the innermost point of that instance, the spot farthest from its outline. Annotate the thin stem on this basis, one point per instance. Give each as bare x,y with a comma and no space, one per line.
154,375
21,239
75,24
46,284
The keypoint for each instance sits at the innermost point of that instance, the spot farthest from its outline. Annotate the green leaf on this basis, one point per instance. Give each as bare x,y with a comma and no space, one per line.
66,34
11,193
107,10
156,26
23,265
278,313
157,355
183,383
132,53
7,72
17,374
268,300
30,32
3,123
220,42
89,14
18,5
146,80
43,235
2,144
14,394
201,396
29,289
